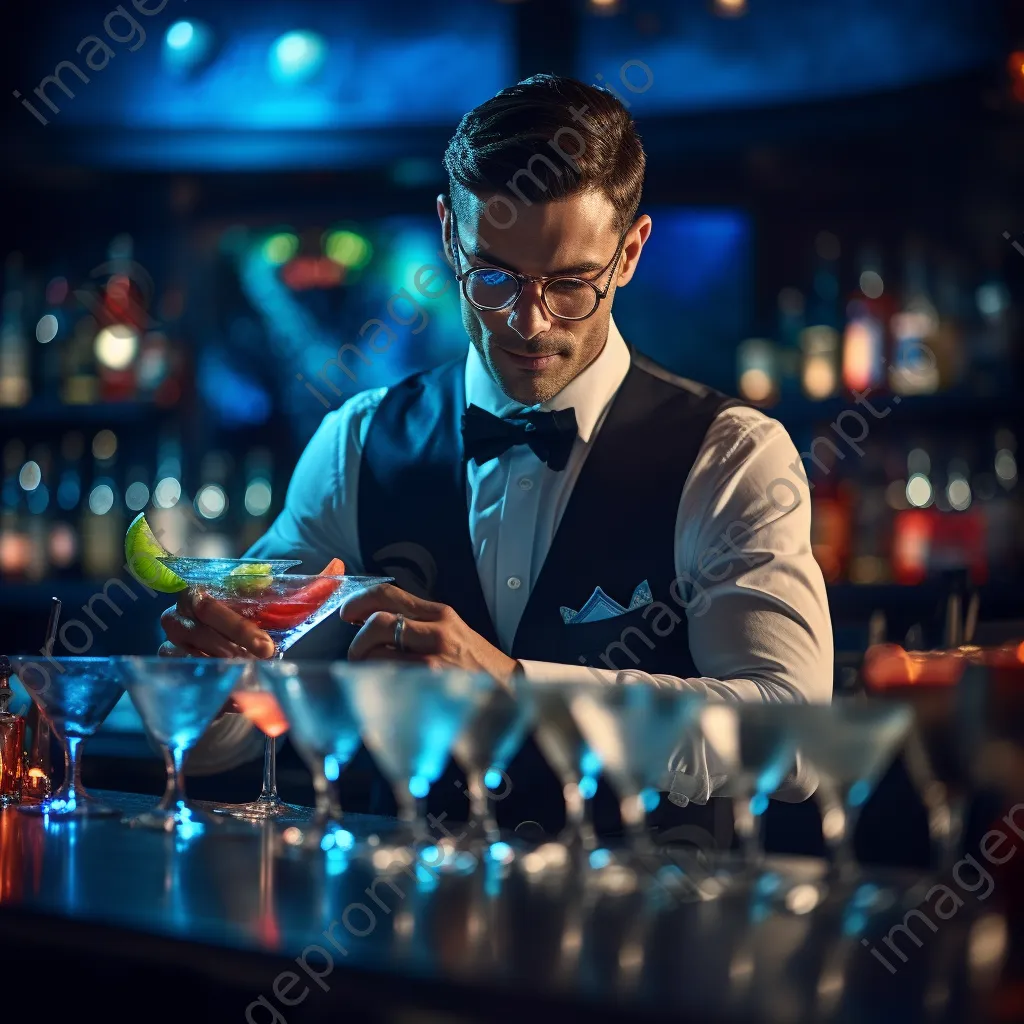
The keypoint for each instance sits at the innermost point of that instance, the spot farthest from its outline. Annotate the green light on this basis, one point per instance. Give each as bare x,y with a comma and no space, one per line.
348,248
279,249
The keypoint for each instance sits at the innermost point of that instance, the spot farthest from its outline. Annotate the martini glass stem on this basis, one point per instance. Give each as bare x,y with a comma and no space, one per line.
579,829
72,791
480,813
269,793
412,811
838,819
325,794
634,823
167,802
177,781
746,825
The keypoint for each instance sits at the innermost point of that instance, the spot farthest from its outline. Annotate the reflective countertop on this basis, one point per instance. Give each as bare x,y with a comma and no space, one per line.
247,924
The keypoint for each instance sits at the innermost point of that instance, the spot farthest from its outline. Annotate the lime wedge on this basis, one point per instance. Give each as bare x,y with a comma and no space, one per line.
141,549
249,579
252,569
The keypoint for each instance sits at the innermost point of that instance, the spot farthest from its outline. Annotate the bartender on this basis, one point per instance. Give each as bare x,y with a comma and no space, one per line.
572,510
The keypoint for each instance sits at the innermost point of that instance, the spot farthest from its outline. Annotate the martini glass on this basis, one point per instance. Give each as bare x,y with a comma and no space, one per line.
927,683
571,759
283,605
177,699
324,730
755,745
74,697
485,747
850,743
254,697
409,717
635,729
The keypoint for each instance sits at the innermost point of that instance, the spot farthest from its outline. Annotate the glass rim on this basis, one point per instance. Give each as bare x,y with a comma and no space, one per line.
74,659
163,659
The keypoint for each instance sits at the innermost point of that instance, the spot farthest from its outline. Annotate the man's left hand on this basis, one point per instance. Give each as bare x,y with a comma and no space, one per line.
434,634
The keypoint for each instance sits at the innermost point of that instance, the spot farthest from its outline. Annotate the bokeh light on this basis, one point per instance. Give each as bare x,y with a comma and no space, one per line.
46,329
280,248
348,248
297,57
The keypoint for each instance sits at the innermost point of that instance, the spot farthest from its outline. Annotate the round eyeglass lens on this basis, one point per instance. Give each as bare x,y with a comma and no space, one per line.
492,289
570,298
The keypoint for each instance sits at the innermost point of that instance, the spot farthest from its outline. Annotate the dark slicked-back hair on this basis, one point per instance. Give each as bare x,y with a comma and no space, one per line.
526,143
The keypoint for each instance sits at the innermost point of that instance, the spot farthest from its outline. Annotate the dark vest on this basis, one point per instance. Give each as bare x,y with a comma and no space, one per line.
618,529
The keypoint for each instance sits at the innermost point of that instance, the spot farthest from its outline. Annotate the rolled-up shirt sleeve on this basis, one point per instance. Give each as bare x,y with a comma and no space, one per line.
756,606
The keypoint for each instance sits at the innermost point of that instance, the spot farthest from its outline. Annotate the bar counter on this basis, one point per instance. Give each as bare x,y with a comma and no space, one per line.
141,924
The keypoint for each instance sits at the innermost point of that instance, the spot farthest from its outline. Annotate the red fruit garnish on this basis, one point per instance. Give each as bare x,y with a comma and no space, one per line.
335,567
281,615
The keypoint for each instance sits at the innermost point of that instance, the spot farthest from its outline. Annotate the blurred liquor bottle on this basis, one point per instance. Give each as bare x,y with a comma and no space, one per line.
15,385
103,520
989,340
830,528
914,369
79,383
216,526
757,369
958,526
832,499
871,527
51,318
792,310
1003,498
257,499
865,336
171,516
953,306
819,340
65,529
15,546
37,483
911,532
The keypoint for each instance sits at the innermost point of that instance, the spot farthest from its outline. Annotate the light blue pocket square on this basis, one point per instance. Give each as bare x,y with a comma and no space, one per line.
600,606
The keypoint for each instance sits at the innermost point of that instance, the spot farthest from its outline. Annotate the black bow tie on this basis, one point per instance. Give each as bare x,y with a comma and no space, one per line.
550,435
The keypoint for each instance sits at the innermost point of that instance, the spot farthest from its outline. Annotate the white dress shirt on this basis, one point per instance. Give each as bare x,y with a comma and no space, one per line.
757,613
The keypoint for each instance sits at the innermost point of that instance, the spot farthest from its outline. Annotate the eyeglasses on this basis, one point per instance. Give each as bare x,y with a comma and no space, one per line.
568,298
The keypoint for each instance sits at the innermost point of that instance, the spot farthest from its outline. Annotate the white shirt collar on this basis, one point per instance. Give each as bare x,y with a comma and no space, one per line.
589,393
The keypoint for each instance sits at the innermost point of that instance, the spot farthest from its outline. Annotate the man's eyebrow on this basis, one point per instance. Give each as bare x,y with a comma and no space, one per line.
586,267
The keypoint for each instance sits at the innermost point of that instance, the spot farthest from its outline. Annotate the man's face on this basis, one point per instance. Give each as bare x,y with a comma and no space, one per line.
530,353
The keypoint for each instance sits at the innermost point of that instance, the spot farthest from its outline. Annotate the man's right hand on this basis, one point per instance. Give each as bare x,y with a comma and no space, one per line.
200,627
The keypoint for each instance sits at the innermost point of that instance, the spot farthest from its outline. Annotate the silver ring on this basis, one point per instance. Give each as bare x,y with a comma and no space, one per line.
400,632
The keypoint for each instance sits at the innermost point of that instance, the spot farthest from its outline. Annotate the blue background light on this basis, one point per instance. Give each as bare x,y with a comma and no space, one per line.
297,57
188,47
180,34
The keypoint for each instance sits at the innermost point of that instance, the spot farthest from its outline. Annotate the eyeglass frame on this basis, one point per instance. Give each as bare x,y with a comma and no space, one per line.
523,279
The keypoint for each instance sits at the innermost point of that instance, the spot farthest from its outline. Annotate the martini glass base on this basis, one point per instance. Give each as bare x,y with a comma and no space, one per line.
80,806
265,810
176,818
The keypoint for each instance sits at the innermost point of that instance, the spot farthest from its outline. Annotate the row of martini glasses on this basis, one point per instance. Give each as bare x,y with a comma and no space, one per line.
412,719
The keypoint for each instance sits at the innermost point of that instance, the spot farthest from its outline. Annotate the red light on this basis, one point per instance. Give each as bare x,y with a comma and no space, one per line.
305,272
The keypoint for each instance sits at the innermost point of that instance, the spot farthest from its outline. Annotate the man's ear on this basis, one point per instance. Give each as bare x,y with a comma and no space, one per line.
635,240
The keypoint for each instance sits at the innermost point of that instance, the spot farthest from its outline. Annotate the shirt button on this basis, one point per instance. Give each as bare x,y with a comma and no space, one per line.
525,483
514,582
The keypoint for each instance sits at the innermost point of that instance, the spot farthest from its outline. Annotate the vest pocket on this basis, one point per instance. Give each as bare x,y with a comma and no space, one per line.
622,642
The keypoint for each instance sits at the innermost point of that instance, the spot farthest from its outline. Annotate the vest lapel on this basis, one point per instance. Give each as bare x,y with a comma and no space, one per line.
414,521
